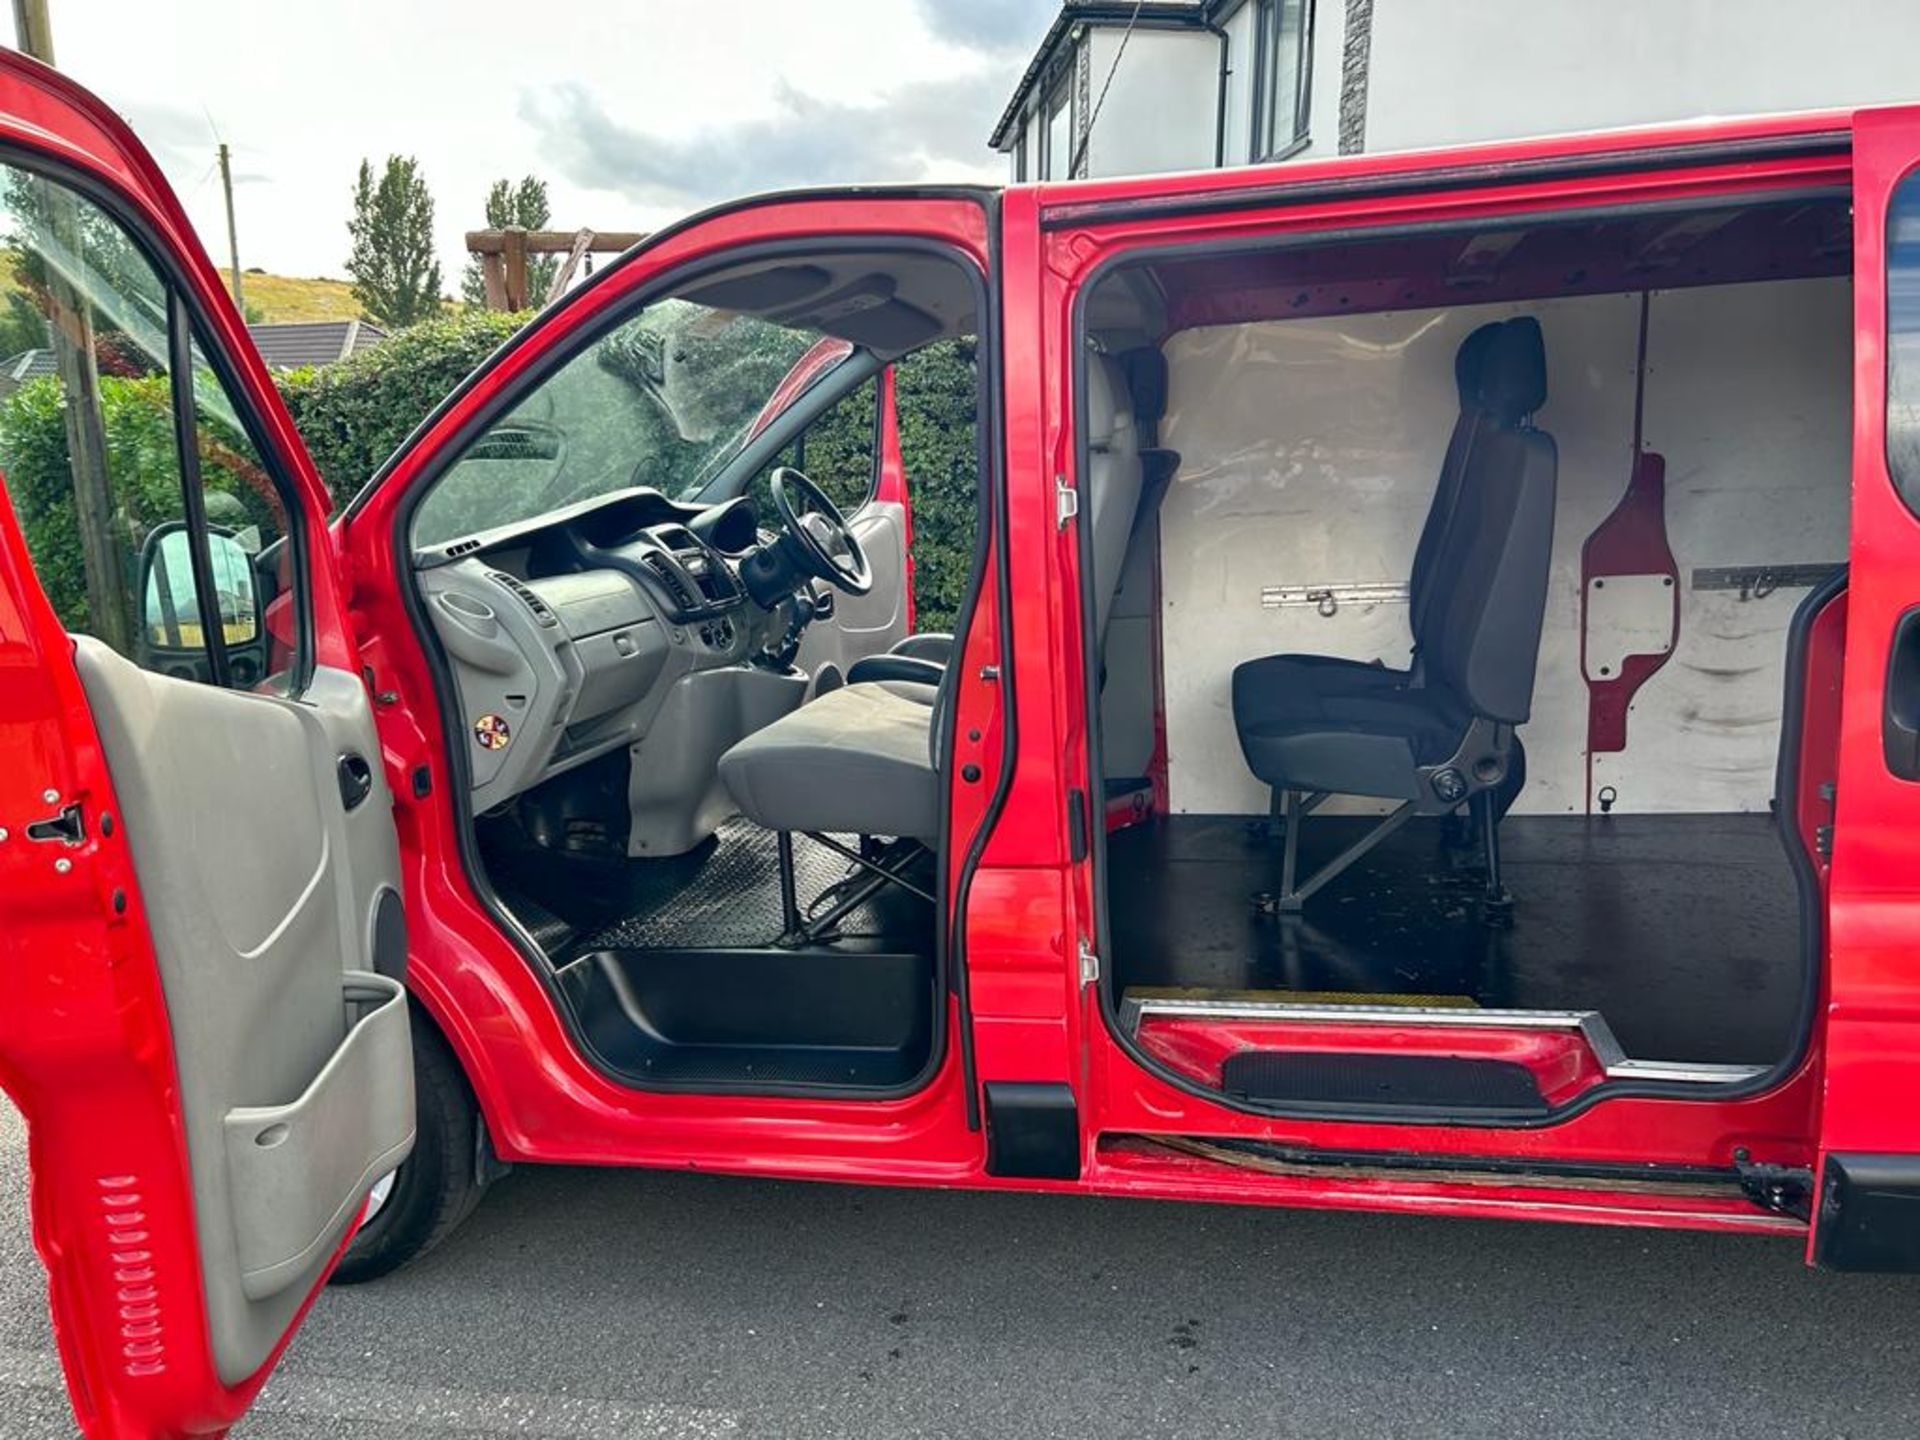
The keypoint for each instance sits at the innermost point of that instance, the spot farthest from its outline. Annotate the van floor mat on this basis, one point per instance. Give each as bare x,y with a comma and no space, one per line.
853,1014
724,893
1344,1081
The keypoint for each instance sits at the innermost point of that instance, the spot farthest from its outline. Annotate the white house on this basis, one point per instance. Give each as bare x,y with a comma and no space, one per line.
1205,83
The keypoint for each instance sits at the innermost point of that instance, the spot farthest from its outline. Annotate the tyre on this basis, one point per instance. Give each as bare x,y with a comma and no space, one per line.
438,1185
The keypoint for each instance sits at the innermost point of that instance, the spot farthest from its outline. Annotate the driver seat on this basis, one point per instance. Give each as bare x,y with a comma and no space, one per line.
1127,476
865,759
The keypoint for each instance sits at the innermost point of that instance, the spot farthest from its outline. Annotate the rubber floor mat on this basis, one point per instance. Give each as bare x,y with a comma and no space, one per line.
725,894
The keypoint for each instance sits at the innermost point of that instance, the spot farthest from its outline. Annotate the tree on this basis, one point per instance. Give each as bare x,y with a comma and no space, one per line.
395,276
524,205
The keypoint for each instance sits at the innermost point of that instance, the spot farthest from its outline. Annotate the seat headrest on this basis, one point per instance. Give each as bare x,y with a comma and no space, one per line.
1146,370
1470,361
1513,371
1109,402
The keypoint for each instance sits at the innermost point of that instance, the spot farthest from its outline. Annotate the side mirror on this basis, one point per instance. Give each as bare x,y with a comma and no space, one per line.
172,639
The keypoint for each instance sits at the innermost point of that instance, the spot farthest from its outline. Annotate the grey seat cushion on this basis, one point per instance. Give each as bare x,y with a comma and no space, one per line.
857,760
1353,730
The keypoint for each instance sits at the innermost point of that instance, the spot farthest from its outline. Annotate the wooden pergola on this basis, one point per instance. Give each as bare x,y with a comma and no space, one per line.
503,259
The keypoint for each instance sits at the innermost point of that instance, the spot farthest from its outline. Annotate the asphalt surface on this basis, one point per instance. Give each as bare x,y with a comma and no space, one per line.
599,1305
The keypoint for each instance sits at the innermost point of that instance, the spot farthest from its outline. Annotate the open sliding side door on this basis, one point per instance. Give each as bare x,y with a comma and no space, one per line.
203,1019
1867,1215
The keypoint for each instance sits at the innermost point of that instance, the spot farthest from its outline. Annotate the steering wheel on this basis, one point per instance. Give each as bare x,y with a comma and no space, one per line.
824,544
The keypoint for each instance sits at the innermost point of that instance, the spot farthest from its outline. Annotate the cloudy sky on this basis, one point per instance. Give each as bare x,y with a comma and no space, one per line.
634,113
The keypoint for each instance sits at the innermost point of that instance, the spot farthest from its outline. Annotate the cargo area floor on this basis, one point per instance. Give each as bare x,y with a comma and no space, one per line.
1681,930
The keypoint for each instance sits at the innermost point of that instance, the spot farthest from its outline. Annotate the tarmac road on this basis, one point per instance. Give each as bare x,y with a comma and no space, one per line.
590,1305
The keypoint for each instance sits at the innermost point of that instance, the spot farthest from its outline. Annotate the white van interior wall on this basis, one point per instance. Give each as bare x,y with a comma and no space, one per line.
1310,450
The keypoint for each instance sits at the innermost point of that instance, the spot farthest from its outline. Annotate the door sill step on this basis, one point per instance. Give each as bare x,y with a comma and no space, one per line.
1137,1009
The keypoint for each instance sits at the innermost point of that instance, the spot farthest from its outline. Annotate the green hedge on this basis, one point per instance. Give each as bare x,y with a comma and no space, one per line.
143,478
353,415
934,400
936,397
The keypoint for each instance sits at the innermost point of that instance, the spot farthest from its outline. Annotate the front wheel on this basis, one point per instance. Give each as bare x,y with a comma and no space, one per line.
438,1186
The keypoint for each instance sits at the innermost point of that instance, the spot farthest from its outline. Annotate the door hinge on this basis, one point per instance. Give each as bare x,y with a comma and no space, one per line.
1089,962
1823,834
1066,501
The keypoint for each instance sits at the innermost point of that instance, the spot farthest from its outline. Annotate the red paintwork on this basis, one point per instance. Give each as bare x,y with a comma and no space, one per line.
1872,1042
1820,729
542,1100
84,1036
819,357
85,1049
1562,1063
1632,540
1135,807
1118,1092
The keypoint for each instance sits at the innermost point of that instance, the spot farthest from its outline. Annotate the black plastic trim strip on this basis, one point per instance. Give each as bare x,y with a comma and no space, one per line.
1033,1130
1786,782
193,498
1446,178
1868,1207
1600,1171
446,694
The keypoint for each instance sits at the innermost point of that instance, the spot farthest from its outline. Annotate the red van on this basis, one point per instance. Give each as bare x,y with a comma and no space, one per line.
1432,721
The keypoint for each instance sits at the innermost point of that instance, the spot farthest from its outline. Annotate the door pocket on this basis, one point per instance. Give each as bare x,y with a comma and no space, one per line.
298,1171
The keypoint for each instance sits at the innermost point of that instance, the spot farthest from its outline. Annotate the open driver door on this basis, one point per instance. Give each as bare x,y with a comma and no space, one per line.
203,1021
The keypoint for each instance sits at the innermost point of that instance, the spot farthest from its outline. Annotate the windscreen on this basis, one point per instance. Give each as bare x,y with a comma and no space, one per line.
665,401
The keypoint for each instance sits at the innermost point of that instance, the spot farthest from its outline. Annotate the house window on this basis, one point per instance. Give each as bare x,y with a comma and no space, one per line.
1282,55
1021,167
1056,160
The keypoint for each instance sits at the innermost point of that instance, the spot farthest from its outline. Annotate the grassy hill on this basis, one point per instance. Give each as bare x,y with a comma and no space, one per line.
269,297
285,298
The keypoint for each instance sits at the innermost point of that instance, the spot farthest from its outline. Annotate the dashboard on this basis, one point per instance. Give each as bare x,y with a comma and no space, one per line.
618,621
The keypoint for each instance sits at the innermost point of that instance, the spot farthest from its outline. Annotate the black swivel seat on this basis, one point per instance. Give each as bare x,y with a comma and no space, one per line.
1441,734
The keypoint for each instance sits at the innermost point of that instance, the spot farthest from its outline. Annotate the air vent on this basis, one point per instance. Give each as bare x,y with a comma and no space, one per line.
515,442
462,547
670,576
533,602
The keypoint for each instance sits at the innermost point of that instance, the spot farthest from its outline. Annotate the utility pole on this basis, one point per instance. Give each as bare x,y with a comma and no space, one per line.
34,30
70,333
233,240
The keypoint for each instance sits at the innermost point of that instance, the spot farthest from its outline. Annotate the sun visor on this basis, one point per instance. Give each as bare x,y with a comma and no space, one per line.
762,291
